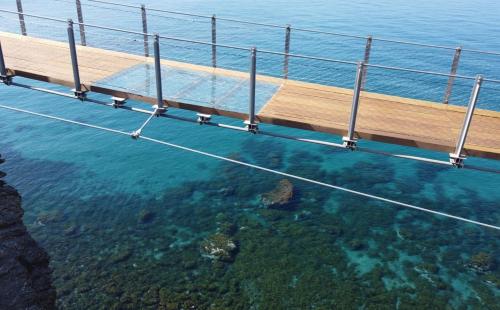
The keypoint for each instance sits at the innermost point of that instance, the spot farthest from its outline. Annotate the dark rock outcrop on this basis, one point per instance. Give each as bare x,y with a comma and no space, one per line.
25,275
279,197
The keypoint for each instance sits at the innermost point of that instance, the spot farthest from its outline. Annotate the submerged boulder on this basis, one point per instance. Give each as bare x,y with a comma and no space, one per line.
280,196
146,216
219,247
482,262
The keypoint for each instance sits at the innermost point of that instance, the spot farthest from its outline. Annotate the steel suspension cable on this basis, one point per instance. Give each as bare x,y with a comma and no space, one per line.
292,176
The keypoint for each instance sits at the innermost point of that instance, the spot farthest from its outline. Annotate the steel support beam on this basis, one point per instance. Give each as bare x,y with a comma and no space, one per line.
457,158
453,73
350,140
145,30
80,21
251,125
368,49
159,91
214,41
74,62
287,51
21,17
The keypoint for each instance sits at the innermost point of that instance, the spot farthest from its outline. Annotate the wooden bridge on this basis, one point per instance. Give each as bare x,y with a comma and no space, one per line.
354,114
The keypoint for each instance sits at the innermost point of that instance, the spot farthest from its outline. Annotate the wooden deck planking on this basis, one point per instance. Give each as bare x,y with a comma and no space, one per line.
296,104
383,118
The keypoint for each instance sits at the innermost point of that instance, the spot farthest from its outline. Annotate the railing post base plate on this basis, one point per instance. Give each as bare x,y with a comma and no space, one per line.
350,143
159,111
79,94
118,102
6,79
251,127
203,118
457,160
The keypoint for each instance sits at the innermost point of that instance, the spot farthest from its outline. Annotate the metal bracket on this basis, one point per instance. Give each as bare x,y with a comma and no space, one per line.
251,127
350,144
457,160
6,79
79,94
159,110
118,102
203,118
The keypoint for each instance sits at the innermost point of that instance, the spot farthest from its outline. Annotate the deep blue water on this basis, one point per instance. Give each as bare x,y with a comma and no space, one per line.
84,190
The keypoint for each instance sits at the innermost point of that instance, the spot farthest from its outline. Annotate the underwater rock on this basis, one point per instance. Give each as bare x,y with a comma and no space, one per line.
226,191
25,275
71,230
428,268
227,228
492,280
356,244
280,196
146,216
224,225
219,247
482,262
121,255
50,217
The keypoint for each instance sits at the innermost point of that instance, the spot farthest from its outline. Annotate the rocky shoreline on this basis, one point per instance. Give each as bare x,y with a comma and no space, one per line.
25,275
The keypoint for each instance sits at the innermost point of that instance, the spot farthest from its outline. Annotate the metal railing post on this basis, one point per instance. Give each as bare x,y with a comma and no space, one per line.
80,21
287,51
350,140
145,30
4,77
457,158
368,49
159,91
3,68
214,41
74,61
453,73
21,17
251,125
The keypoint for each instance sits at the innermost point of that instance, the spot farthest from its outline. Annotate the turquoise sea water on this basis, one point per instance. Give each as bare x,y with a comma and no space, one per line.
125,221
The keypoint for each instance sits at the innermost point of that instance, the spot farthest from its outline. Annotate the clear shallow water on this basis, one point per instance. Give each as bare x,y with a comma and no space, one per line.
84,191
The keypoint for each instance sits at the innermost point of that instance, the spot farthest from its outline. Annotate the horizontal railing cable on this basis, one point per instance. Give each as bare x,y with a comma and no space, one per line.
98,6
308,57
363,37
242,163
420,71
35,16
129,31
338,34
114,29
117,4
150,9
259,51
414,43
205,43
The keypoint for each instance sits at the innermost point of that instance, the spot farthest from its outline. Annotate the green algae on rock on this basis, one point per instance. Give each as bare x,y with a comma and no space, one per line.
482,262
219,247
280,196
